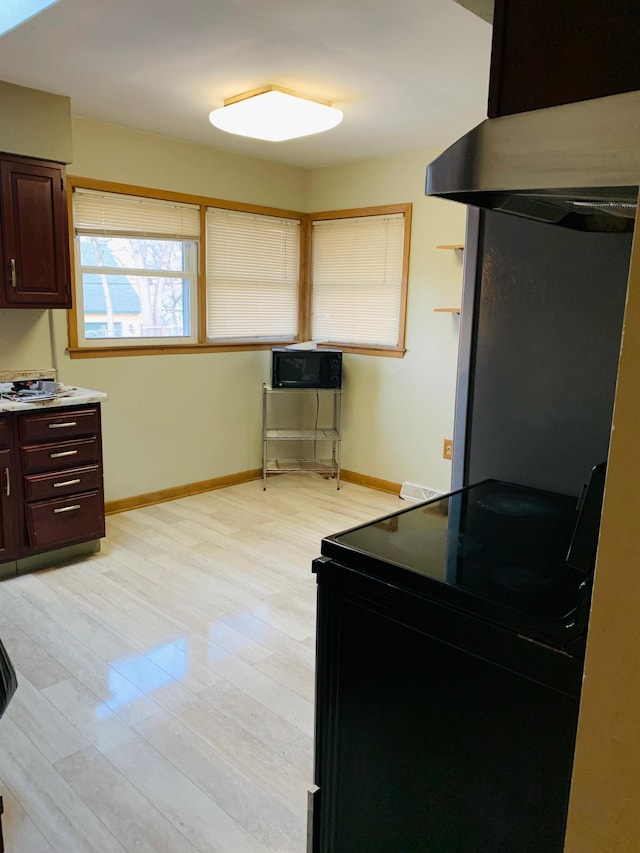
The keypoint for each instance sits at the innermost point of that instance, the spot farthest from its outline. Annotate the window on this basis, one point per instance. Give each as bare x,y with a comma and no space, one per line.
159,271
136,264
253,274
359,273
173,271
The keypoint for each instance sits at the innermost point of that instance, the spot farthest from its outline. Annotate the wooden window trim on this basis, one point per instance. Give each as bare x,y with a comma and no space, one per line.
352,213
202,345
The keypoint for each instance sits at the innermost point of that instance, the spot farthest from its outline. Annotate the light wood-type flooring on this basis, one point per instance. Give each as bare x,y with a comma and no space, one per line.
165,700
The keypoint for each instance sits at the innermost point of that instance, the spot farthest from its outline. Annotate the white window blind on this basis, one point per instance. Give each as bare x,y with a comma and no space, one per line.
253,269
134,216
357,268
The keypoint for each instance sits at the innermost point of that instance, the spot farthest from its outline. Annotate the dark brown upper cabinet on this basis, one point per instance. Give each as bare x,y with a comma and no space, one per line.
552,52
35,237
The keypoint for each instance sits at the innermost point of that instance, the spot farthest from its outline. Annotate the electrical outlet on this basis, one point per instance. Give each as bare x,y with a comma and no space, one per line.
447,448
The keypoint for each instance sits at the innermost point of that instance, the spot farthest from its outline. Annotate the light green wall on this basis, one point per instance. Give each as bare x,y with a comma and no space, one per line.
169,420
174,420
35,123
397,412
127,156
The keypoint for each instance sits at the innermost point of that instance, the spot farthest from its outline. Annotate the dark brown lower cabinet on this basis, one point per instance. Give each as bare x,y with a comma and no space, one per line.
51,493
56,523
8,548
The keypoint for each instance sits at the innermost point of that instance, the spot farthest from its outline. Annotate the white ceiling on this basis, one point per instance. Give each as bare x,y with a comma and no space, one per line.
406,73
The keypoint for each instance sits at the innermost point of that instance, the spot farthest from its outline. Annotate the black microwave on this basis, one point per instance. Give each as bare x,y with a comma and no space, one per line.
302,368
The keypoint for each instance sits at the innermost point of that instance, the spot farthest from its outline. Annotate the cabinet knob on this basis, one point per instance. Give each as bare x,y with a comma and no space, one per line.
13,272
67,508
7,482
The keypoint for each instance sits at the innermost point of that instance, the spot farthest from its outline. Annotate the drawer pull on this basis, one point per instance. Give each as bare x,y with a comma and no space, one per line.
66,483
60,426
63,453
67,508
7,486
13,272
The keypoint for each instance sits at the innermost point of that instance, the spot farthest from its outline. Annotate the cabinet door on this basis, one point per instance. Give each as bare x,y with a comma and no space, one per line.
35,235
538,48
7,512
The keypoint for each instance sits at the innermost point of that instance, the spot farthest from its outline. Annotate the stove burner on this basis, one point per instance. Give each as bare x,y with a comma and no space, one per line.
522,505
468,546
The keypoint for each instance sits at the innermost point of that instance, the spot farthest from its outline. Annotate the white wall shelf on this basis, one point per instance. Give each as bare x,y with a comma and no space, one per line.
458,247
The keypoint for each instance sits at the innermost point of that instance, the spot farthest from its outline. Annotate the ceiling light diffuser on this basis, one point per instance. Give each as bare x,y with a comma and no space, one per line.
15,12
274,114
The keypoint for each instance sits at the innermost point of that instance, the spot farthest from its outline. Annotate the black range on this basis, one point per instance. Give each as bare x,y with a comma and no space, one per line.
449,663
496,550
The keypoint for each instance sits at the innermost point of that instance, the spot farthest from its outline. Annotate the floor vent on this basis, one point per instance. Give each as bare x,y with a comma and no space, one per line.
417,494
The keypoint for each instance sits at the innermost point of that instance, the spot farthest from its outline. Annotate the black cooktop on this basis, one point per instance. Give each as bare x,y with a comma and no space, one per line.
495,549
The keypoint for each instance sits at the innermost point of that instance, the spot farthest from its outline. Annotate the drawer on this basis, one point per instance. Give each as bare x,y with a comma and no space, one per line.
59,424
42,486
65,521
5,431
63,454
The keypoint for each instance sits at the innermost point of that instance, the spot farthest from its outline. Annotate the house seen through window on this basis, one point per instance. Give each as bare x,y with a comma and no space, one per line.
137,267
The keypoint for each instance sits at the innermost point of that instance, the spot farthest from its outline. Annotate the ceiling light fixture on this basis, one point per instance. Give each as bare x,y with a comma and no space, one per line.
275,114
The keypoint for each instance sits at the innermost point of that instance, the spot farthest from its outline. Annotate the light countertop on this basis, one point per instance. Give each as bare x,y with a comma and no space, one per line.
68,395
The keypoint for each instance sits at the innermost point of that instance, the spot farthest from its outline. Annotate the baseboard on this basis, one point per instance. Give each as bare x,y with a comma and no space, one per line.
151,498
370,482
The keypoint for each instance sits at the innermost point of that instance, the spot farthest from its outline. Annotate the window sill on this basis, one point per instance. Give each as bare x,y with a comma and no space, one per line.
169,349
360,349
244,346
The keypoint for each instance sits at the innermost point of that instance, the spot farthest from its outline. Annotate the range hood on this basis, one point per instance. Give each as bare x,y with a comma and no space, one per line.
575,165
